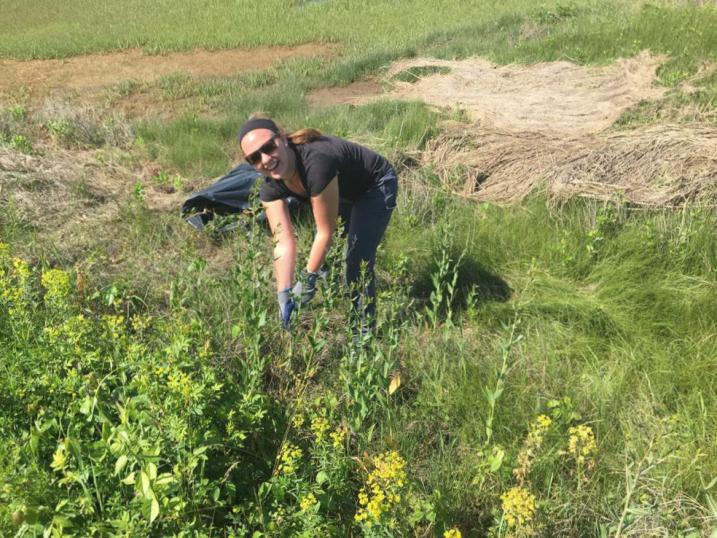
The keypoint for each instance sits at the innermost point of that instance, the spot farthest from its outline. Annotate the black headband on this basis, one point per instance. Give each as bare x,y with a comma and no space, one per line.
257,123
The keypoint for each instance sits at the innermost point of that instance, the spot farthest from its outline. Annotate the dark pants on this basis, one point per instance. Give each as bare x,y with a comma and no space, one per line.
365,221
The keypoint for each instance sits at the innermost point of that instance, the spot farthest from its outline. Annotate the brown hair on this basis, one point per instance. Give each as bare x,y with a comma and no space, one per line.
302,136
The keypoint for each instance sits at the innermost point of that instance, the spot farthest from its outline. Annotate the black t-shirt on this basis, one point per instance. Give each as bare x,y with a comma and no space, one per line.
321,160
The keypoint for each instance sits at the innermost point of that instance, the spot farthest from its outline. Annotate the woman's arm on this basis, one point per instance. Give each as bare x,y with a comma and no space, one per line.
277,212
325,207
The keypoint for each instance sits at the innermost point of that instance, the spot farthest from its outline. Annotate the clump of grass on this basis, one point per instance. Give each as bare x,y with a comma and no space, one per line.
126,88
413,74
15,131
177,85
83,127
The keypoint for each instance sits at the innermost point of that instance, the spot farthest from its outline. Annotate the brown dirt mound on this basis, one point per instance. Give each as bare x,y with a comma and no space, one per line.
651,166
100,70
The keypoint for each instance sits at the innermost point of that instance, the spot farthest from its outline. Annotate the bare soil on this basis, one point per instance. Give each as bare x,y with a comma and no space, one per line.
94,71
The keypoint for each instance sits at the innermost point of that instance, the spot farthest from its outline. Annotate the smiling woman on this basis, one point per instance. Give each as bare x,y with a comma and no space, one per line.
340,179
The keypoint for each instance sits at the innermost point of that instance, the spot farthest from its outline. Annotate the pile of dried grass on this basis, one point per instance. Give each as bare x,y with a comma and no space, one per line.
659,165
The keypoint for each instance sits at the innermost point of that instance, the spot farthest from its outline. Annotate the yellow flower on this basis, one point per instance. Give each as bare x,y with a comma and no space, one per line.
288,459
531,445
307,502
382,491
338,437
141,323
22,270
59,459
518,509
581,444
181,383
319,425
114,325
14,286
543,422
56,283
297,421
452,533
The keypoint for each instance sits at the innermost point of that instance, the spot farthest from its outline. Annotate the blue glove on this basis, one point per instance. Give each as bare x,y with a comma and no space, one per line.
306,289
286,307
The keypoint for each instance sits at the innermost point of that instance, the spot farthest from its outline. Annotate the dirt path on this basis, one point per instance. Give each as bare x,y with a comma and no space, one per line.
95,71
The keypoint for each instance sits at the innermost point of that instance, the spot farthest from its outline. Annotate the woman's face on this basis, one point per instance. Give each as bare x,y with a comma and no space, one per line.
269,153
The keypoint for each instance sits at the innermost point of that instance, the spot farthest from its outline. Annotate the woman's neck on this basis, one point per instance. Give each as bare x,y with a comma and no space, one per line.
294,176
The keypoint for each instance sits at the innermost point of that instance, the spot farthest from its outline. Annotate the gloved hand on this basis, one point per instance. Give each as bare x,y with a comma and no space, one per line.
306,287
286,307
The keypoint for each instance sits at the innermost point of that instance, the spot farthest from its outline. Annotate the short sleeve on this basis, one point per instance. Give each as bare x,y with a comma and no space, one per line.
271,190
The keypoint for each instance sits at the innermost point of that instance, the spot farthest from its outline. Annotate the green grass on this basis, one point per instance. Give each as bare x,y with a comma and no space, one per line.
48,30
615,307
593,314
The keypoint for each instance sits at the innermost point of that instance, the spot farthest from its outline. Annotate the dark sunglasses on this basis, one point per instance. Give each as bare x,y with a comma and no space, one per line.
255,156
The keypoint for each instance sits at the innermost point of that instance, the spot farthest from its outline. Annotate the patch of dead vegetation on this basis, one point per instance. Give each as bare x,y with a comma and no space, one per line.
74,197
355,93
127,82
656,165
555,97
548,126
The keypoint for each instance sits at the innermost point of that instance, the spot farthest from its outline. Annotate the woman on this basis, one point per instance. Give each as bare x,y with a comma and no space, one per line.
339,178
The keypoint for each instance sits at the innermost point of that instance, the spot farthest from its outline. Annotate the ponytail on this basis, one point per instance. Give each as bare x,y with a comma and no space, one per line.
302,136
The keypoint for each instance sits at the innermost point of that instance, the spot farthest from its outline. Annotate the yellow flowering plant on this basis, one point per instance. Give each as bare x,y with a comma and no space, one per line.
382,493
57,285
531,447
519,510
582,446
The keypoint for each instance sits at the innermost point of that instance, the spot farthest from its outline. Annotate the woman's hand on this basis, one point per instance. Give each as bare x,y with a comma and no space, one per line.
305,288
287,306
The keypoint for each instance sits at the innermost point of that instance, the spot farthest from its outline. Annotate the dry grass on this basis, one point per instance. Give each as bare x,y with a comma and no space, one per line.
663,165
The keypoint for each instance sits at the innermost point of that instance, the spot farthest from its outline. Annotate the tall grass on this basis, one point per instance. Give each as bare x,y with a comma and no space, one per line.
563,354
589,314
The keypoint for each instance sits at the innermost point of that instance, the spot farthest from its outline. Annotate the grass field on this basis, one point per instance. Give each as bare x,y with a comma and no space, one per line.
541,369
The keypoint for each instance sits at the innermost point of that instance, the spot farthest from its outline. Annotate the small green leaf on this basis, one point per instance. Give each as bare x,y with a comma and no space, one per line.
321,477
87,405
129,479
120,464
144,479
496,459
152,468
153,510
164,479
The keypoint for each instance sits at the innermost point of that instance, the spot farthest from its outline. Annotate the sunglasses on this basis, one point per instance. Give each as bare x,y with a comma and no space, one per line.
255,156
